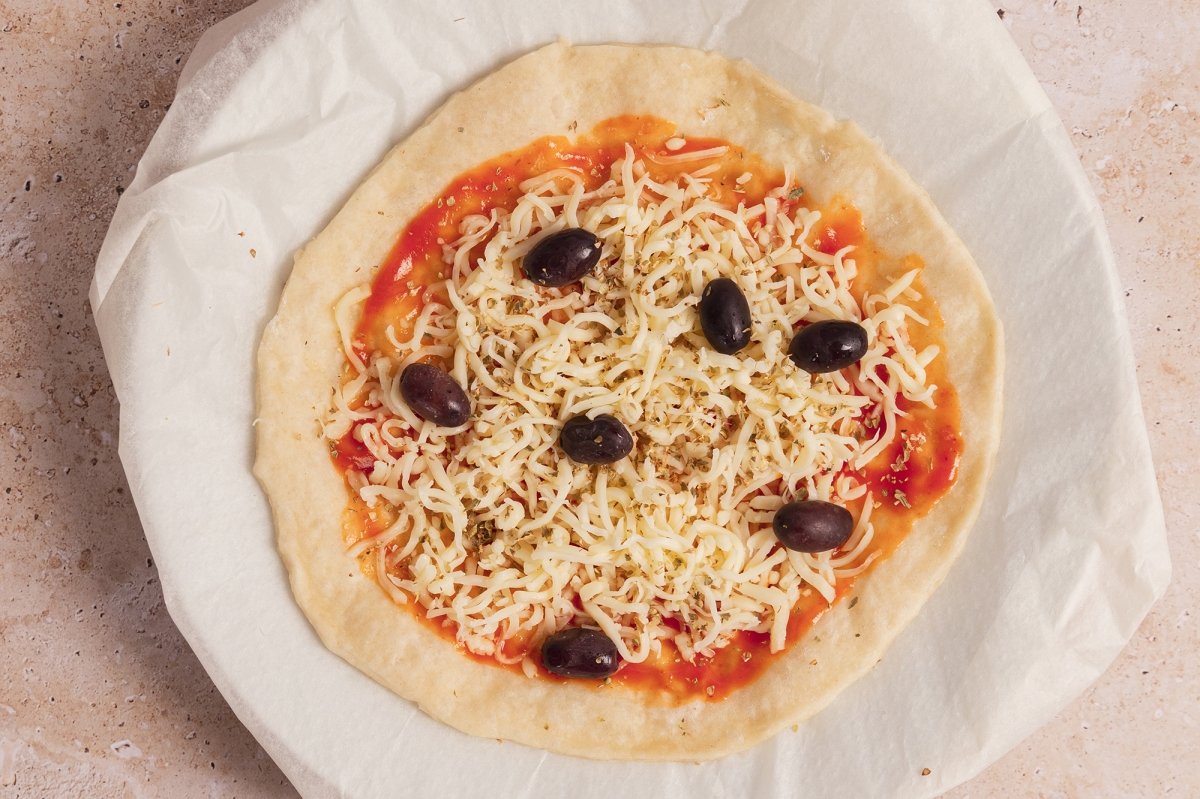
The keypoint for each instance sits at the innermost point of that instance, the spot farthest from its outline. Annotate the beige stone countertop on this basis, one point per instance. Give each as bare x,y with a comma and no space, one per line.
99,694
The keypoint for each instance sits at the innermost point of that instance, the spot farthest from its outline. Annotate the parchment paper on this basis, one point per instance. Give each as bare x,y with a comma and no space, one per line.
280,113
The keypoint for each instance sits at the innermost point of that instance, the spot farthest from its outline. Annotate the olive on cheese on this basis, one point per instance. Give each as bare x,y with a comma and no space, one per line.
725,316
580,652
434,396
828,345
562,257
600,440
812,525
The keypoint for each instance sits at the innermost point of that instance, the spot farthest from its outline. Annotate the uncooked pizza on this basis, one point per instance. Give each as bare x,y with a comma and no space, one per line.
629,409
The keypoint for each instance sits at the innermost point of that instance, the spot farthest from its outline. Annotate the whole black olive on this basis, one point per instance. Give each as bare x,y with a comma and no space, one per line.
562,257
725,316
434,396
600,440
580,652
812,525
828,345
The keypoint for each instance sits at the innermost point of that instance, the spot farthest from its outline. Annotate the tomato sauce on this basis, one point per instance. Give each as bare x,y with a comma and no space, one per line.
841,225
906,481
350,453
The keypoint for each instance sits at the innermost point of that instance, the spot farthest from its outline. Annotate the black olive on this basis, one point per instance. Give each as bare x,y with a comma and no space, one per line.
562,257
725,316
434,396
600,440
580,652
828,345
812,525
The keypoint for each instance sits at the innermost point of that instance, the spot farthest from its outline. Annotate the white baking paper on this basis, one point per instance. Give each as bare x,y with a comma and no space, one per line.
281,112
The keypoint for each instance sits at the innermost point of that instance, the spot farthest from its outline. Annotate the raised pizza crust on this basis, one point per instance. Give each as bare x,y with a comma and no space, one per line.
550,92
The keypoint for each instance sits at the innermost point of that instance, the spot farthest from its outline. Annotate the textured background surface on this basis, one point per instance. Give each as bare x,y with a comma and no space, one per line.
100,696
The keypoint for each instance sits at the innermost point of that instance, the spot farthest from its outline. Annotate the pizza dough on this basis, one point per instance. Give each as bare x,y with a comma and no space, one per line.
551,92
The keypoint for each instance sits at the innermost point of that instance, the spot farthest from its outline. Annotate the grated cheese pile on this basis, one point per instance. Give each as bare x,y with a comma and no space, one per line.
496,531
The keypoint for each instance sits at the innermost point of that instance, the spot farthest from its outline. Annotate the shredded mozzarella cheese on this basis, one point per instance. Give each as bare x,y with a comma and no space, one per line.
497,532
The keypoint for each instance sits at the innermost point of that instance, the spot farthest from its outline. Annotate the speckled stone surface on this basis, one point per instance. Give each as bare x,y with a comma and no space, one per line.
99,694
